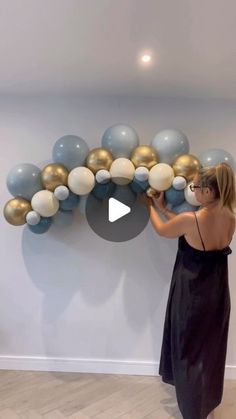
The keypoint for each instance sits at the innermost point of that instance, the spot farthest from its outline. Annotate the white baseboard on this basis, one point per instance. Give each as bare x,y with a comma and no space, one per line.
99,366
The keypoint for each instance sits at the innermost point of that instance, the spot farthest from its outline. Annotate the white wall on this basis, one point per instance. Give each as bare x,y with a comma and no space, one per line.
70,300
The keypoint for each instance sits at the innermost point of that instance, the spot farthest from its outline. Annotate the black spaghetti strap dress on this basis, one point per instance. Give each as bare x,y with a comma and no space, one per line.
195,335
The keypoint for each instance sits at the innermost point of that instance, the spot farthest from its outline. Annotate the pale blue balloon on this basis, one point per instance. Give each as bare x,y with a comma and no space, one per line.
215,156
42,227
170,143
174,197
184,207
24,180
71,151
120,140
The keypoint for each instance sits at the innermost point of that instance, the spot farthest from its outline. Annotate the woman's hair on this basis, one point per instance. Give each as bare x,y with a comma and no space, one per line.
221,180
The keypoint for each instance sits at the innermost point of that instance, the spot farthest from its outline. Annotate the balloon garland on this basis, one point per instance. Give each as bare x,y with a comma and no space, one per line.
164,165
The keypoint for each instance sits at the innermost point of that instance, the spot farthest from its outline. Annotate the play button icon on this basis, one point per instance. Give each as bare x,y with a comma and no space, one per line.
118,217
116,210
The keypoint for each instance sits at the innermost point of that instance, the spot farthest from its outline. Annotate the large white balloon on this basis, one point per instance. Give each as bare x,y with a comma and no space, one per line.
190,196
122,171
81,180
45,203
161,176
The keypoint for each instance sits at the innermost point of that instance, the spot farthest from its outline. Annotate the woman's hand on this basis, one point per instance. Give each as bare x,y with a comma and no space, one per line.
159,201
144,199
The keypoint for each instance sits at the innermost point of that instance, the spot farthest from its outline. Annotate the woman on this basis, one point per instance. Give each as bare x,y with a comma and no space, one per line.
196,324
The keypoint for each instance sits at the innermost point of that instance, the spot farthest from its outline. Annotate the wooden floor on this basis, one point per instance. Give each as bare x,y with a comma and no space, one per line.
57,395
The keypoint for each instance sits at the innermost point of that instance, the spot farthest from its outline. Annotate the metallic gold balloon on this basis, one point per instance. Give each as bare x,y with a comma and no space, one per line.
151,192
144,155
98,159
15,211
187,166
53,175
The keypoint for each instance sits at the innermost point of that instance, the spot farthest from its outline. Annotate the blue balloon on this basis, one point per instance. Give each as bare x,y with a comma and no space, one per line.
170,143
103,190
71,151
69,203
120,140
184,207
42,227
24,180
174,197
124,194
138,186
215,156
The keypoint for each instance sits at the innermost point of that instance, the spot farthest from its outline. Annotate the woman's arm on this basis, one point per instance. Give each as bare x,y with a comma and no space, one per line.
160,204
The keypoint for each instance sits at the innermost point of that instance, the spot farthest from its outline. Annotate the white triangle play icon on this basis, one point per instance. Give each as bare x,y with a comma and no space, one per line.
116,210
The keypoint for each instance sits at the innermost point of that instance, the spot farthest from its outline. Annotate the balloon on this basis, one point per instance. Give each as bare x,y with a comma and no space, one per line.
45,203
24,180
138,186
61,192
190,196
69,203
124,194
120,140
174,197
71,151
54,175
81,180
186,166
145,156
179,183
151,192
103,191
141,174
15,211
215,156
161,176
33,218
122,171
184,207
98,159
170,143
103,176
42,227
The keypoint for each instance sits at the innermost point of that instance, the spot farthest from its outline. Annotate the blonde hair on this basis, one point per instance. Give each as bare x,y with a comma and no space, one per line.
221,179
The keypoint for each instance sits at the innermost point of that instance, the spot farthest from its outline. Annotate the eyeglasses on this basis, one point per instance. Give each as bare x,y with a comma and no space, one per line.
193,187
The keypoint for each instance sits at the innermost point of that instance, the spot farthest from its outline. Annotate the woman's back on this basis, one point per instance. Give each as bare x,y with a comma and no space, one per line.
216,226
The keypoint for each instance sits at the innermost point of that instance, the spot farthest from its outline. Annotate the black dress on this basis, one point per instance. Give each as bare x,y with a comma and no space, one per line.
196,326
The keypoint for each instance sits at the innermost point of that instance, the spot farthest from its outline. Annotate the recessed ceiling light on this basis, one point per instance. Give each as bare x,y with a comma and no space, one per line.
146,58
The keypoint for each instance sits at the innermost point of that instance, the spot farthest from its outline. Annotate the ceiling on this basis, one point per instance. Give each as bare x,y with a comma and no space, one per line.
91,47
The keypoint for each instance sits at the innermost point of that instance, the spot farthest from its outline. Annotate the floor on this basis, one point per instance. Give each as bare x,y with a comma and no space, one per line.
58,395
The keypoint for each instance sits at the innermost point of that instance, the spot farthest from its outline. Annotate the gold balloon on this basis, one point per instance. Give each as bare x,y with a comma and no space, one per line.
144,155
53,175
15,211
187,166
150,192
98,159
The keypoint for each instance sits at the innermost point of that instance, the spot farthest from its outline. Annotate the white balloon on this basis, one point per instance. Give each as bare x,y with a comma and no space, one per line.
61,192
190,196
103,176
161,176
179,183
81,180
32,218
45,203
122,171
141,174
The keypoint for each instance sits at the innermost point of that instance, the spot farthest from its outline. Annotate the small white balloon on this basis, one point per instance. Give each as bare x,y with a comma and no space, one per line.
81,180
141,174
45,203
103,176
179,183
122,171
61,192
190,196
161,176
33,218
